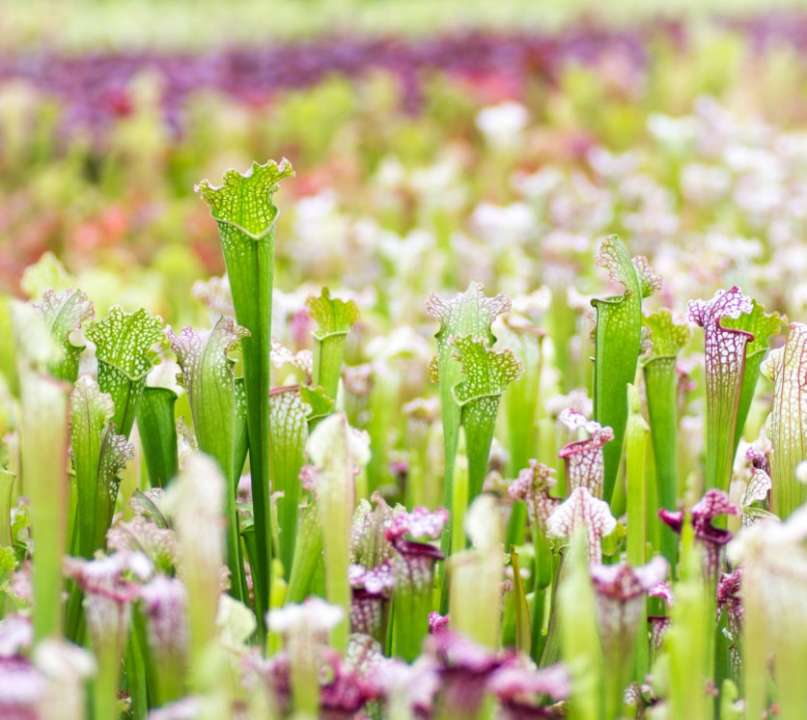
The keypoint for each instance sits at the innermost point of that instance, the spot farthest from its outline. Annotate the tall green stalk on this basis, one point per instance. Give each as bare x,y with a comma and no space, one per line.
532,487
724,352
245,213
689,637
307,554
562,321
486,374
99,454
7,482
382,406
520,411
8,359
158,434
338,452
476,576
415,559
661,386
579,636
334,318
787,429
467,314
196,502
217,406
762,326
43,434
523,627
637,443
287,454
617,346
43,428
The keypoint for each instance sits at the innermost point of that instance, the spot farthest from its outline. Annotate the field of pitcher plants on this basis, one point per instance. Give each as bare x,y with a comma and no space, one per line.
476,390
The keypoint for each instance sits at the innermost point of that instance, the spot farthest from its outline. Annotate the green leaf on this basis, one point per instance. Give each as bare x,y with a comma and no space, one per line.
8,563
7,482
532,486
319,403
242,204
209,378
687,639
46,274
124,343
636,442
521,409
43,449
307,553
332,315
466,314
762,326
579,635
667,338
661,388
289,432
523,633
334,318
724,358
486,373
617,345
36,349
245,213
64,314
8,356
196,503
216,401
158,434
99,454
337,452
476,598
786,427
562,327
413,567
729,697
383,405
43,430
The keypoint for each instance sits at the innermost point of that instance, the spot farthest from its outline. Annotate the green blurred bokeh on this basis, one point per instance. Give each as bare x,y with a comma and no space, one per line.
99,24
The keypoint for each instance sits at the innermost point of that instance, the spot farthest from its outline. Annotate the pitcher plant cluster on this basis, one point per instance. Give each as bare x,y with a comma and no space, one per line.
253,520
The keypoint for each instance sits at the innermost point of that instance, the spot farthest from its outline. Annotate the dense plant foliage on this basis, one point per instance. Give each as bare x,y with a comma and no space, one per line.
495,409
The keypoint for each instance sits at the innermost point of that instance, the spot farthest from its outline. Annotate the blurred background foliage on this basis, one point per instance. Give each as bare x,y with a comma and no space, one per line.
110,112
117,24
